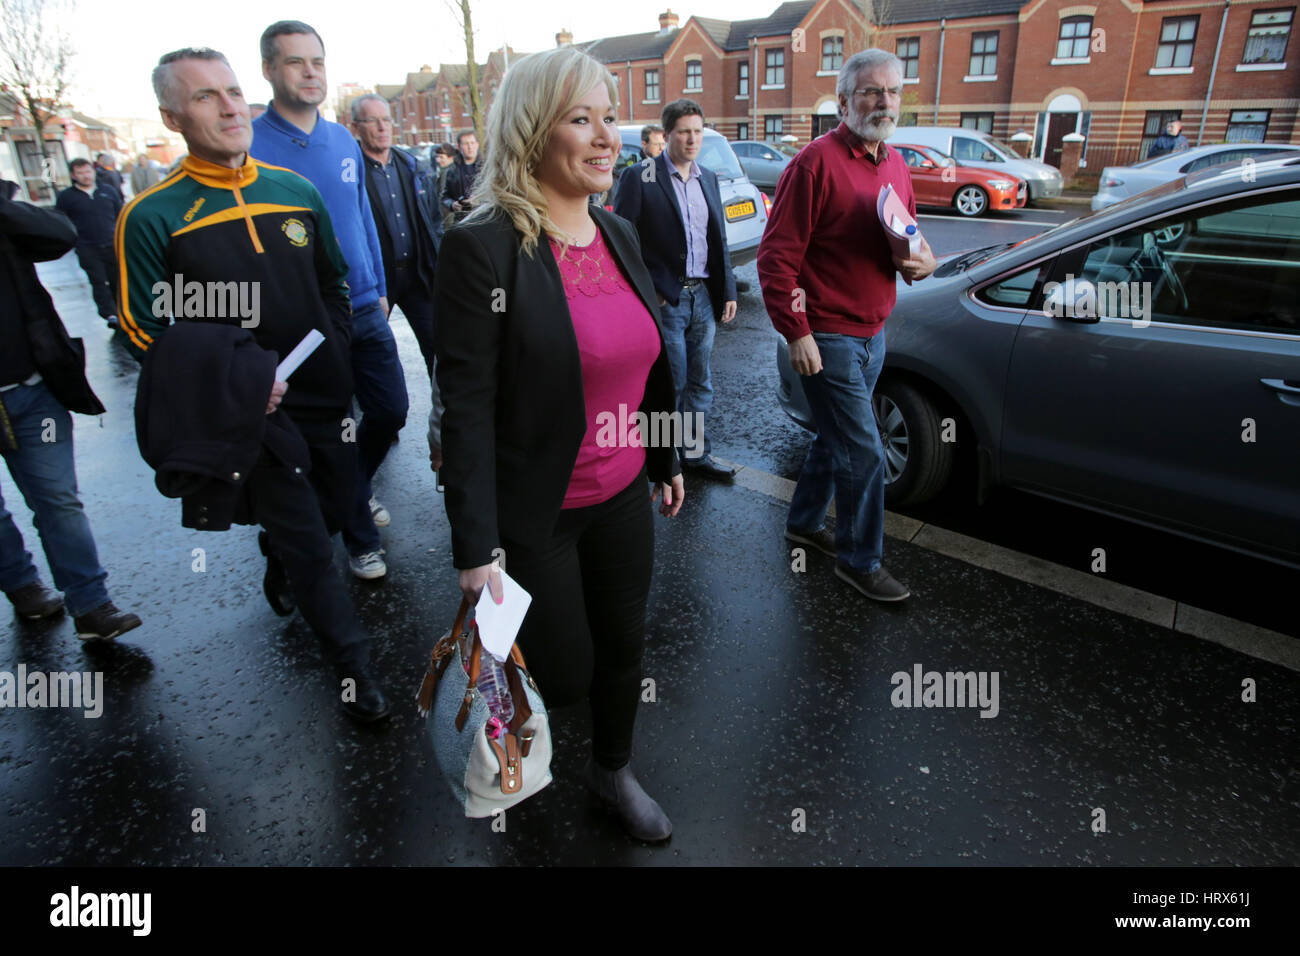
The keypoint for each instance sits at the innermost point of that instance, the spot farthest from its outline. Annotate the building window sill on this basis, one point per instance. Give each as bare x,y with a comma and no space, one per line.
741,96
1259,67
772,86
650,102
1170,71
828,72
693,89
1070,60
915,79
982,78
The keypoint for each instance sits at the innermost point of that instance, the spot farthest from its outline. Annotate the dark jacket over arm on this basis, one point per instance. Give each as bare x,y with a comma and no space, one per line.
511,379
29,234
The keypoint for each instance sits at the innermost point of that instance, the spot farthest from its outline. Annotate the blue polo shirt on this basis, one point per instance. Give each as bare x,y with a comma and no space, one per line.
332,160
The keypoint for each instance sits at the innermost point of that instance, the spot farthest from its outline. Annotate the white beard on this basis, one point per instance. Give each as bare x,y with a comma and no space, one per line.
868,129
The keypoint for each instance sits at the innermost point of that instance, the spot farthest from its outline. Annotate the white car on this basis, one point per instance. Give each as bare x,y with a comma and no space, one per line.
1118,183
744,207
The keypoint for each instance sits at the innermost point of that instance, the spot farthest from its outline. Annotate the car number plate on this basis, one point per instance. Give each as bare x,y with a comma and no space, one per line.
740,210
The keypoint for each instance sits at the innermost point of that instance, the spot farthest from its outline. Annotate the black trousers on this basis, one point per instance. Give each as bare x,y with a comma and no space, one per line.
585,630
100,265
300,512
406,291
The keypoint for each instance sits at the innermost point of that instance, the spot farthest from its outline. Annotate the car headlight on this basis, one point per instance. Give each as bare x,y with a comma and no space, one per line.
1001,183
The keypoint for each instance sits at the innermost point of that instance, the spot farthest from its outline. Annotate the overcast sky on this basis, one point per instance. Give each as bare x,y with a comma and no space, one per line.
118,43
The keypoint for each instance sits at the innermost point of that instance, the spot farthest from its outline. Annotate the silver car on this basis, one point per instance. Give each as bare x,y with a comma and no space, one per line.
763,162
1143,361
744,207
1120,182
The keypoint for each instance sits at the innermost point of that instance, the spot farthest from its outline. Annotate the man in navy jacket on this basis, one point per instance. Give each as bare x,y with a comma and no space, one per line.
676,206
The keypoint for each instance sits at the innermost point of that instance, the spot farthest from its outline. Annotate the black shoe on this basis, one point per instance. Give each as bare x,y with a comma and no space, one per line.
641,816
35,601
275,584
709,467
823,539
105,623
369,703
879,585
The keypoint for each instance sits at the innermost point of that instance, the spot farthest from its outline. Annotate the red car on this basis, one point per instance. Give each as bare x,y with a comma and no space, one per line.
937,180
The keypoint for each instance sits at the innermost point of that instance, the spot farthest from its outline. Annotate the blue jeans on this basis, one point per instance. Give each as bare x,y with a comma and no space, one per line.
45,473
381,394
846,458
689,330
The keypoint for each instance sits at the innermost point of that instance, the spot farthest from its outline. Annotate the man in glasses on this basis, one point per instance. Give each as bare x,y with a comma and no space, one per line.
828,278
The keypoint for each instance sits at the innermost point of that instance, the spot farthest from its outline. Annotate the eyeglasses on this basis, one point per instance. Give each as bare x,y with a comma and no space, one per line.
879,93
376,121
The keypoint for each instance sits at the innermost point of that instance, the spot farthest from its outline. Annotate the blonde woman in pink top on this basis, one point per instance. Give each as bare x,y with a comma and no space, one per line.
550,351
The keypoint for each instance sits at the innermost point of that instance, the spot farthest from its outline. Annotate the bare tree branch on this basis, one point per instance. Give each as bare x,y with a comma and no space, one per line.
460,10
35,54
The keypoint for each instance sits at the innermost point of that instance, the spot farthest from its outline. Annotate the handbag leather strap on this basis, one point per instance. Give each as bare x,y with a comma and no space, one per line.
439,659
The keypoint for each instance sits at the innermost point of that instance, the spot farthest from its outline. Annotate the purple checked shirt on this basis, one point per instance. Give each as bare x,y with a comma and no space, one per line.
695,214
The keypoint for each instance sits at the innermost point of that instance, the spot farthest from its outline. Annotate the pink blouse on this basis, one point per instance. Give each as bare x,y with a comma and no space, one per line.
618,344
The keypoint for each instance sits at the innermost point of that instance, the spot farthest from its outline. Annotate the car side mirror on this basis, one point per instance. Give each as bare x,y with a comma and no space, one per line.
1075,299
927,164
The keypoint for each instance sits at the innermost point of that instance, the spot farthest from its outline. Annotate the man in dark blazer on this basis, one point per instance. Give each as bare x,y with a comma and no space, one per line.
403,195
676,206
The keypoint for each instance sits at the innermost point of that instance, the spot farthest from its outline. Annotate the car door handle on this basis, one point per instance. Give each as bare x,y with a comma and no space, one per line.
1287,392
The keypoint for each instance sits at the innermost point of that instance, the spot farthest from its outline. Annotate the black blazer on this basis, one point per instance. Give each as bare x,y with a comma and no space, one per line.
422,183
30,234
511,380
646,199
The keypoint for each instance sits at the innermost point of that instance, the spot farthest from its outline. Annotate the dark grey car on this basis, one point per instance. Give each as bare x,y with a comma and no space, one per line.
1143,361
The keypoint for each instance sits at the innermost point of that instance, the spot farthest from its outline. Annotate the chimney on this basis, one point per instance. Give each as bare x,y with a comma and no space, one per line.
426,68
667,21
564,38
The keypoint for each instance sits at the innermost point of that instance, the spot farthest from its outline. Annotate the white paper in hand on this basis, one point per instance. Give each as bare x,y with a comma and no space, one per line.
499,623
310,342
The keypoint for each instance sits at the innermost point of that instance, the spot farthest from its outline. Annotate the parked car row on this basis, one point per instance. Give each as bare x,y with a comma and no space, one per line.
1142,361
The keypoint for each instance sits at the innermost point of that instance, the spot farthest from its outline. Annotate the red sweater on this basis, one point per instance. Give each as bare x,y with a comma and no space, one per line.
824,263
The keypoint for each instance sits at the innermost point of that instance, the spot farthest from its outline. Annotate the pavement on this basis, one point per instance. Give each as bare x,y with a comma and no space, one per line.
779,727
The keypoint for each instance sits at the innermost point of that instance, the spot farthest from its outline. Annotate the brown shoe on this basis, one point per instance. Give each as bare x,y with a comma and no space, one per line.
879,585
35,601
105,623
823,539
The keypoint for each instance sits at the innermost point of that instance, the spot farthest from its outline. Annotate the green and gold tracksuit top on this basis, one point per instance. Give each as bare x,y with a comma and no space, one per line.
250,246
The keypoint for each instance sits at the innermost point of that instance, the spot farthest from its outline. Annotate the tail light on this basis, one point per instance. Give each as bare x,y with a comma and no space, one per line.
767,205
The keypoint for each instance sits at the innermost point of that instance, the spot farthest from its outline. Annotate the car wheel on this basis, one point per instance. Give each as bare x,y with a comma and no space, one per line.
971,201
918,463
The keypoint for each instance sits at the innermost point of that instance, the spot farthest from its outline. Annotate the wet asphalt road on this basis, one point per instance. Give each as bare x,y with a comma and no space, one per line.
773,696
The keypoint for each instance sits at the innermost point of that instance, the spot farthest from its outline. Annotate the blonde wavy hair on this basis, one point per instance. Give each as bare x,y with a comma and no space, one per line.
536,92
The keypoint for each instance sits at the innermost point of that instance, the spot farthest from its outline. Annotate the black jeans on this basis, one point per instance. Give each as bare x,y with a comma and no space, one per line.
100,265
585,630
300,512
407,292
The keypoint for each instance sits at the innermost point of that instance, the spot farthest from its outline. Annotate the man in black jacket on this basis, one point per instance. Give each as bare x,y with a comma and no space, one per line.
41,380
93,206
676,206
461,176
403,196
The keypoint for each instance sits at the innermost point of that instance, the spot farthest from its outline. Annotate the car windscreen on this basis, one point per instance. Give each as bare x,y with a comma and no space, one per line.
935,156
716,155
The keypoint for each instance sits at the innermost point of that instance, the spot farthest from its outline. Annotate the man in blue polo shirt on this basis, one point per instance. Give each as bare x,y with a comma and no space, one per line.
292,133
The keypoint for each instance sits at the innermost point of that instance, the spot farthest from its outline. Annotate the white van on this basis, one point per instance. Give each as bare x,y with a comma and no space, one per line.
970,147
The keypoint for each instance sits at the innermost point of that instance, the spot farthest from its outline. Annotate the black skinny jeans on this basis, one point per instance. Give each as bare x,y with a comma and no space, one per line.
585,630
